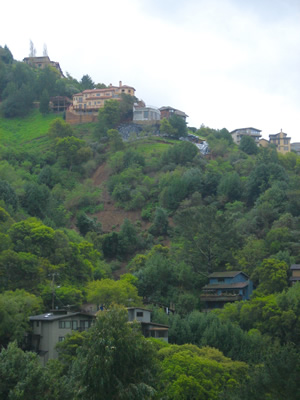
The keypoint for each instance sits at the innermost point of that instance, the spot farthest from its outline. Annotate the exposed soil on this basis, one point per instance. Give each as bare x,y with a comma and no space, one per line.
112,217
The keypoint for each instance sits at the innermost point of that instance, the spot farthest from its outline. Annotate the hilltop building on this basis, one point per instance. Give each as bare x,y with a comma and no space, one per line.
143,114
237,134
296,147
226,287
167,112
42,62
92,100
281,141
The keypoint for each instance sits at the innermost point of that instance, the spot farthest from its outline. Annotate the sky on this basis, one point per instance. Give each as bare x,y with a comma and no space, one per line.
226,63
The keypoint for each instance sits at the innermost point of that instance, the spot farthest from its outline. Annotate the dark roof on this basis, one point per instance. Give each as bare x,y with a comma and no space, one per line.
178,112
226,274
295,266
154,325
54,317
237,285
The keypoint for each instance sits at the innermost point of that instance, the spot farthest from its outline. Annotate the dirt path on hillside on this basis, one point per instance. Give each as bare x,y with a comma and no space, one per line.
112,217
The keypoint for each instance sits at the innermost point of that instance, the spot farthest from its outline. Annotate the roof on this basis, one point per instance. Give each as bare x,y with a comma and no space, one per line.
243,129
295,266
54,317
154,325
178,112
226,274
237,285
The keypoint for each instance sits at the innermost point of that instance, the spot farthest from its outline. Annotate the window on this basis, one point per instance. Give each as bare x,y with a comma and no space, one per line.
221,280
64,324
286,148
37,324
74,325
80,99
139,314
146,114
61,338
161,334
98,94
85,324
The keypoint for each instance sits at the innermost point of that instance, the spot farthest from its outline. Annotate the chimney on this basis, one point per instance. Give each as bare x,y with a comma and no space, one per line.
110,85
120,83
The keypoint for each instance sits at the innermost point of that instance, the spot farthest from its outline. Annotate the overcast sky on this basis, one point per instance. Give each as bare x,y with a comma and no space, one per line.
226,63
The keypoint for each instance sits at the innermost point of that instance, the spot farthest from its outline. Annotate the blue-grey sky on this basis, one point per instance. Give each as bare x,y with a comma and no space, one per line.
226,63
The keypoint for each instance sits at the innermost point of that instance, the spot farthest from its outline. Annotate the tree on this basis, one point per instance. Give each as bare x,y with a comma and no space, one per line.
8,194
71,150
272,276
87,83
86,224
179,126
44,102
115,361
45,50
6,55
248,145
36,199
15,309
21,375
107,291
115,140
60,129
32,50
160,223
166,127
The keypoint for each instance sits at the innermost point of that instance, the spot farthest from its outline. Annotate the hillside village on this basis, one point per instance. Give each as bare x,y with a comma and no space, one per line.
141,269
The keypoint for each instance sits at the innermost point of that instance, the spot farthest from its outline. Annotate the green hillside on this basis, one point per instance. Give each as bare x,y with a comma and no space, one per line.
19,132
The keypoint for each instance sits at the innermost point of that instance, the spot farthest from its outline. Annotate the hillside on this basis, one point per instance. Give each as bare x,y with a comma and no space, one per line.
89,218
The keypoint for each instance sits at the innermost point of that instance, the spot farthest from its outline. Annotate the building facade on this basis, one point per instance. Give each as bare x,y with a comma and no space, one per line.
145,114
295,147
295,270
149,329
237,134
226,287
43,62
167,112
281,141
92,100
50,328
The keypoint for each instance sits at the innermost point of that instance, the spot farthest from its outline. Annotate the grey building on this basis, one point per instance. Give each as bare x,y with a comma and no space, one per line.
237,134
50,328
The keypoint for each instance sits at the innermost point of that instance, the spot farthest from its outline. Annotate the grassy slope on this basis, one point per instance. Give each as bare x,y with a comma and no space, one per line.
21,132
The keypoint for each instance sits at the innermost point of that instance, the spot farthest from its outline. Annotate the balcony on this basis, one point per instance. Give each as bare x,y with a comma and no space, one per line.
224,297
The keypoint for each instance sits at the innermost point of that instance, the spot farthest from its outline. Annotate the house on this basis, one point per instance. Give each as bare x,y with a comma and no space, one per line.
92,100
43,62
50,328
149,329
143,114
167,112
296,147
237,134
281,141
226,287
295,269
